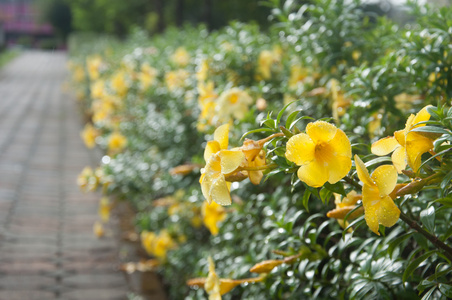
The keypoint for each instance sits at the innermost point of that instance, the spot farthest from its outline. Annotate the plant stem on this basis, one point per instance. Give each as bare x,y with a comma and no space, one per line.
432,238
263,141
353,182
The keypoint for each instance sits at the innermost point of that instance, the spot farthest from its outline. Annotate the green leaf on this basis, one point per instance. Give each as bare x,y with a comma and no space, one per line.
429,293
428,218
281,112
377,160
270,123
433,156
305,201
300,118
325,194
291,118
414,264
255,131
446,180
431,129
446,290
337,188
397,241
356,223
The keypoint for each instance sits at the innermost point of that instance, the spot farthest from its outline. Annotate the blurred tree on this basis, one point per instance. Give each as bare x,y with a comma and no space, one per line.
119,17
58,14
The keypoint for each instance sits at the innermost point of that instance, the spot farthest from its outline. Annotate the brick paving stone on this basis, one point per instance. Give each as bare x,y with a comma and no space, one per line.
27,294
96,293
47,247
24,282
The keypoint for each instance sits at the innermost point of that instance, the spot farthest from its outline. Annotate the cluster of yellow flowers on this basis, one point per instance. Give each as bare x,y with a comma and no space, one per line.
236,164
323,154
157,244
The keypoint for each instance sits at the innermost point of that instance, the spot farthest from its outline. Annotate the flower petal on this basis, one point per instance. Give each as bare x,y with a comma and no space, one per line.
421,116
388,213
221,135
416,145
341,144
361,169
219,191
338,168
212,147
255,176
399,159
231,160
300,149
386,179
313,174
371,204
400,137
384,146
321,131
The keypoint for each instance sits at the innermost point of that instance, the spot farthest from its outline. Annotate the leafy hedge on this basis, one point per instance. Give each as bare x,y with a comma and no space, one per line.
327,80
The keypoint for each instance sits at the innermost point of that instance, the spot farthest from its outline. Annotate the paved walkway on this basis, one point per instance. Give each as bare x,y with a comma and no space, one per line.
47,248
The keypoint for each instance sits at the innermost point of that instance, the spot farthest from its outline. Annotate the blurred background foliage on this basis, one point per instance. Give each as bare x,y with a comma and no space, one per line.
161,96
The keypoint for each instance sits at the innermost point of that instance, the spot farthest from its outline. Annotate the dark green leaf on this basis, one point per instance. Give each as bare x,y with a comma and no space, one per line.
281,112
431,129
429,293
300,118
306,196
257,130
446,290
428,218
414,264
291,118
397,241
338,188
446,180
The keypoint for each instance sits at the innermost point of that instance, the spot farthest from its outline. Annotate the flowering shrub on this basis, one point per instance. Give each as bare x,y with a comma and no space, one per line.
187,125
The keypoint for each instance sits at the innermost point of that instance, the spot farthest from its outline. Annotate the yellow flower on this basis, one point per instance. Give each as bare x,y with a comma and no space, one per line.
98,229
220,162
89,135
255,158
212,285
264,63
206,102
104,209
103,109
344,206
78,73
233,103
147,76
379,208
323,154
181,57
97,89
374,125
297,75
213,214
340,103
116,141
93,64
215,286
176,79
404,101
407,146
266,266
87,181
157,245
266,60
119,84
203,70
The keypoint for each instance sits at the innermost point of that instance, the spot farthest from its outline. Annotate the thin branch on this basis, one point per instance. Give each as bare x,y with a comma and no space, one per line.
432,238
